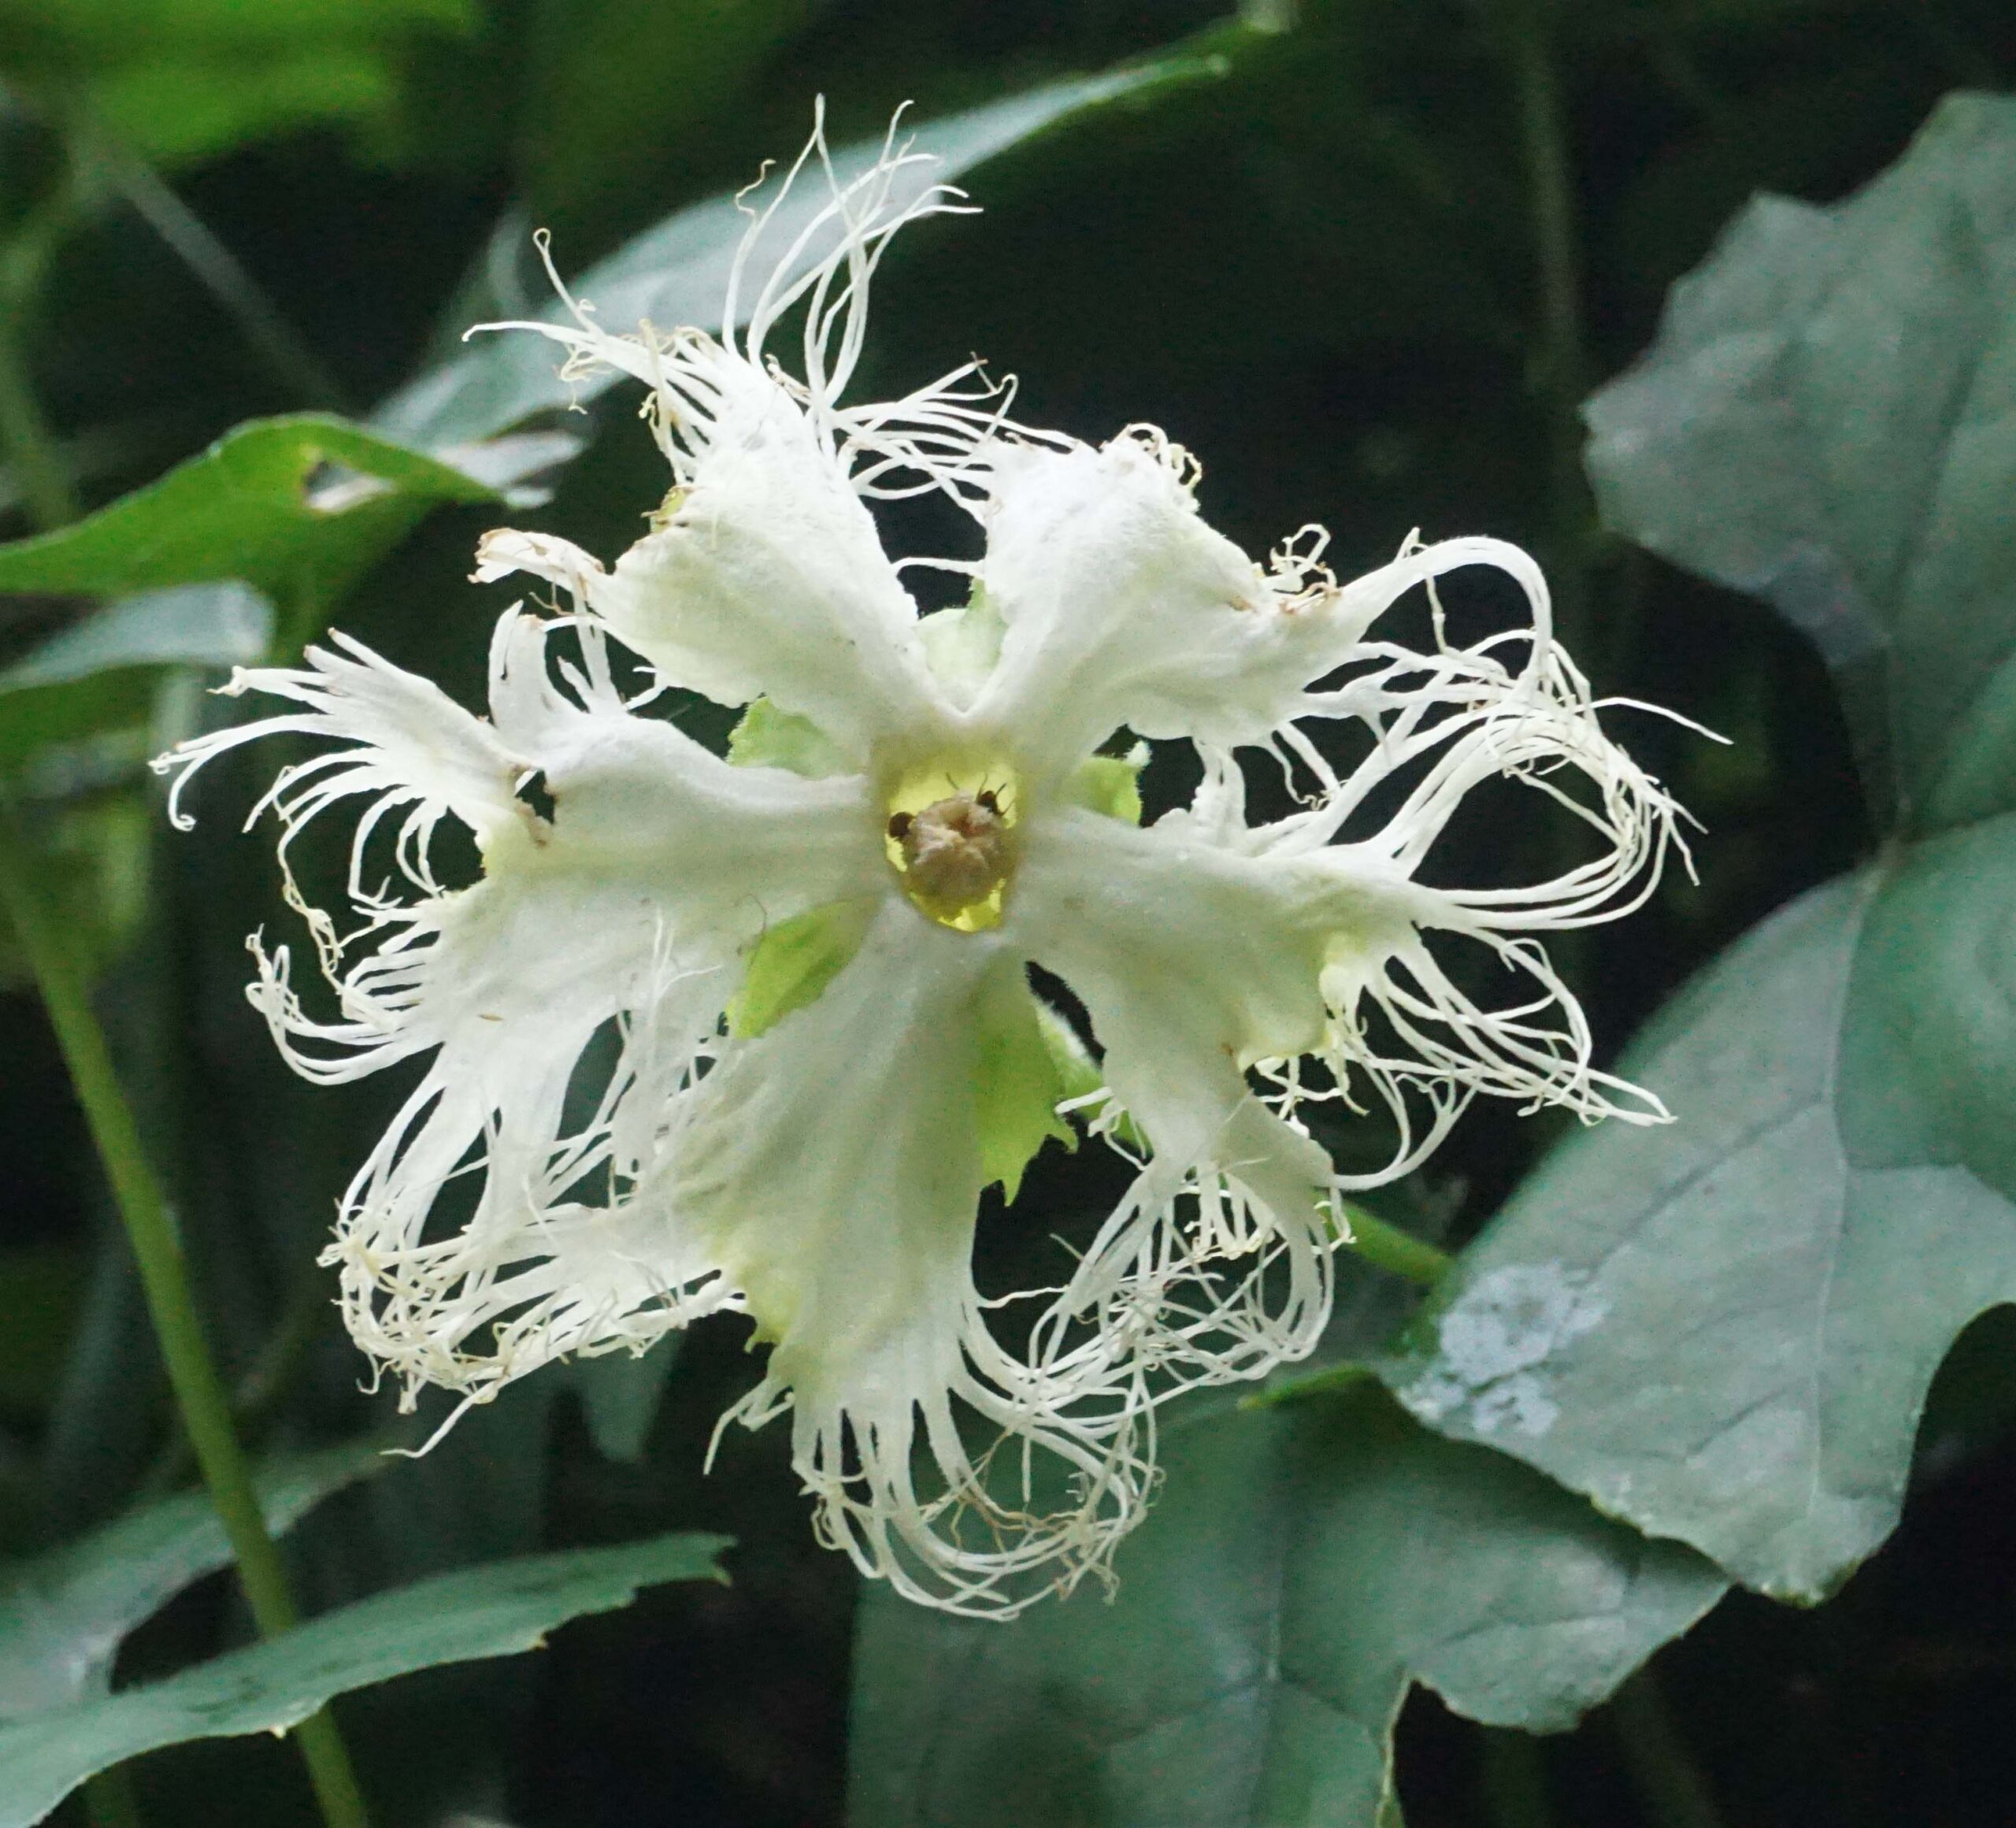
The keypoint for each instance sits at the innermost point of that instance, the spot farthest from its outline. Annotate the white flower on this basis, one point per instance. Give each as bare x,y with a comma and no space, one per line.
754,1034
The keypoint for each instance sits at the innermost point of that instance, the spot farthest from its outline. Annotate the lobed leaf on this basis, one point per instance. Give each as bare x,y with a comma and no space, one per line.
1303,1566
1828,420
1725,1331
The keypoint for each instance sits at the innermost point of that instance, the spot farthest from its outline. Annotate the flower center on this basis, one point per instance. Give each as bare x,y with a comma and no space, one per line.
955,852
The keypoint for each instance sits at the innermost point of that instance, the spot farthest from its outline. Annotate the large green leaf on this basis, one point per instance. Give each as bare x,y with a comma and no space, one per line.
63,1614
1829,419
1303,1566
1725,1331
487,1612
677,273
296,507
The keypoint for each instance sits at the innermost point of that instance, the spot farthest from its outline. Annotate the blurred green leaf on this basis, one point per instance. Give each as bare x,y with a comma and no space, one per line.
99,673
63,1614
296,507
217,625
1829,420
492,1610
1302,1566
1724,1331
177,111
120,31
614,82
677,273
180,80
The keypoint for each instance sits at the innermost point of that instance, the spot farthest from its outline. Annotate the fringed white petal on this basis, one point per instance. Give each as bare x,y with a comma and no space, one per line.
764,577
832,1167
567,998
589,1159
1193,964
1122,606
763,574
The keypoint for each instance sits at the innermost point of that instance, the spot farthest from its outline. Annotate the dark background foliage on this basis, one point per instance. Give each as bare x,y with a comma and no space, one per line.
1325,271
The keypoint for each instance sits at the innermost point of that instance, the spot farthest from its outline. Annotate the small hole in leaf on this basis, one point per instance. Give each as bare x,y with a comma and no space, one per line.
335,488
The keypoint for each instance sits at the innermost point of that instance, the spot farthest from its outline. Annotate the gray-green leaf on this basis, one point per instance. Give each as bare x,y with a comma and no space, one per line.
1302,1566
1725,1331
487,1612
1828,419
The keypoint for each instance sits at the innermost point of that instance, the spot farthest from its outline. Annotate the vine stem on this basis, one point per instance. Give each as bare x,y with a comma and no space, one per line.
1388,1247
199,1391
1560,377
1561,374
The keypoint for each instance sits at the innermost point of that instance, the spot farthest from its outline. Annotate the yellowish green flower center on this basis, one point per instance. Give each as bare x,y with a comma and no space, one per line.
951,837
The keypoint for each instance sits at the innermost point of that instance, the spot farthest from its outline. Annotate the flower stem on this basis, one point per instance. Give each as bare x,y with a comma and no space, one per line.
1389,1247
199,1393
277,343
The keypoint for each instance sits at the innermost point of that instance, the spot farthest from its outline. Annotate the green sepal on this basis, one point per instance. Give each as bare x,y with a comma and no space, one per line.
794,961
1019,1080
1111,784
961,645
1078,1072
767,737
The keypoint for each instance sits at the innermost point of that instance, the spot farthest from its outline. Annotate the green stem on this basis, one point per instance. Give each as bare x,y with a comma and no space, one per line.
1675,1791
1391,1249
47,487
199,1393
1562,368
1560,378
